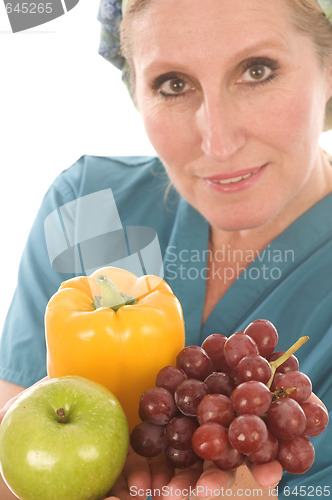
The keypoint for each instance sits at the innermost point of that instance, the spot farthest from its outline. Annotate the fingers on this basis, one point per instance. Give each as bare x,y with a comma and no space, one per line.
141,476
314,399
183,483
135,479
137,473
12,400
120,491
161,474
213,479
4,410
266,475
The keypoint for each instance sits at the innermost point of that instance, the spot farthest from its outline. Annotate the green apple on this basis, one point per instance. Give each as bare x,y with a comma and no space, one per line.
63,439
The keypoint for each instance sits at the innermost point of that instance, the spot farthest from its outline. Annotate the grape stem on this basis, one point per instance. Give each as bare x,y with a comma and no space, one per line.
277,362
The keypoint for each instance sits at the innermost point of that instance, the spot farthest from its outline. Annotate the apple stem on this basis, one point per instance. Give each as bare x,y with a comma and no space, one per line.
110,295
276,363
61,416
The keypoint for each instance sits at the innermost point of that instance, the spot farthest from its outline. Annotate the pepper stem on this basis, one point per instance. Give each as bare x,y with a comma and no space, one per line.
110,295
276,363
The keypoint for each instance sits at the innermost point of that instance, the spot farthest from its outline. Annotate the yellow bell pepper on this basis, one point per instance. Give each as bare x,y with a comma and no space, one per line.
115,329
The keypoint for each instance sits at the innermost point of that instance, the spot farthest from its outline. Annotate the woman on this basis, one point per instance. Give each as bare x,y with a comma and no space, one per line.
233,98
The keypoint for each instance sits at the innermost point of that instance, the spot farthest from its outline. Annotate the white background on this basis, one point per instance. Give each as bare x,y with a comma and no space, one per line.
58,100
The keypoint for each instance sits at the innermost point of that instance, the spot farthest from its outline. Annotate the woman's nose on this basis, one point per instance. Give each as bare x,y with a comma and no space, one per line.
221,129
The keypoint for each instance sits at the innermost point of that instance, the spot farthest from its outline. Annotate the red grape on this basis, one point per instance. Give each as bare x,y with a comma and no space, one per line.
180,458
299,382
210,440
286,419
214,346
189,394
264,333
247,433
157,405
221,404
266,452
231,459
275,380
296,455
179,432
237,346
195,362
253,368
317,419
251,397
148,440
215,408
220,383
170,377
290,365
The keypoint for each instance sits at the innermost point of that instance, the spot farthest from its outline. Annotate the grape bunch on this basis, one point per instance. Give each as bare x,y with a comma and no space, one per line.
232,399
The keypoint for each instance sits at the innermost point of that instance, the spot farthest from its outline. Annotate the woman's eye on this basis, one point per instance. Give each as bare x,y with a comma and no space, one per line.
257,73
174,87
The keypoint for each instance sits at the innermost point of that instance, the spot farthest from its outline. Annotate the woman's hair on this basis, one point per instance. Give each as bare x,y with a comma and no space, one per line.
306,17
133,9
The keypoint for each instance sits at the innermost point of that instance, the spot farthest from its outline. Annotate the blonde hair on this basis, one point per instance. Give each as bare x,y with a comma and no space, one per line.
306,17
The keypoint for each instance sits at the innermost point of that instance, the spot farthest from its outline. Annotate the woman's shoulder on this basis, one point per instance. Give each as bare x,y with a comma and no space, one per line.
133,178
93,173
121,165
133,190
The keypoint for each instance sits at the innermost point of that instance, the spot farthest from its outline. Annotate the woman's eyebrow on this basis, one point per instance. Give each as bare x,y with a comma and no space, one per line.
275,43
161,61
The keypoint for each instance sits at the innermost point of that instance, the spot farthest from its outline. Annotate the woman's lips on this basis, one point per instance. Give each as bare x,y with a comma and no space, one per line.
234,182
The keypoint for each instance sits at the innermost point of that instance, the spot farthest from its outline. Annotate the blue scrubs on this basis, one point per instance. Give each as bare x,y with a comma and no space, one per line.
114,211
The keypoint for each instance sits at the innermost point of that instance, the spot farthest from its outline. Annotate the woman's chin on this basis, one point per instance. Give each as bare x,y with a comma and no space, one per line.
239,220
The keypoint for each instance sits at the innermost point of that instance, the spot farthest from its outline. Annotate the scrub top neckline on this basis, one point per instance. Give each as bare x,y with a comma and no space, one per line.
282,255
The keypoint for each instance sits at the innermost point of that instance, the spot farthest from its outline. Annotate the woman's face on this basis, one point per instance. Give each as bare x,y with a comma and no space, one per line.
233,99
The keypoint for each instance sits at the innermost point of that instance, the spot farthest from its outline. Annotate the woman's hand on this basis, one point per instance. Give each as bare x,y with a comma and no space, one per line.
8,404
13,389
141,478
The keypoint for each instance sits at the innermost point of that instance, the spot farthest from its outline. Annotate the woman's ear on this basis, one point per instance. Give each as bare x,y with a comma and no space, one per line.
328,115
329,78
328,108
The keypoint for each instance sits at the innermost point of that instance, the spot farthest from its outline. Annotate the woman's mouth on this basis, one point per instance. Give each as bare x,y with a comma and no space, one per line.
231,180
241,179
